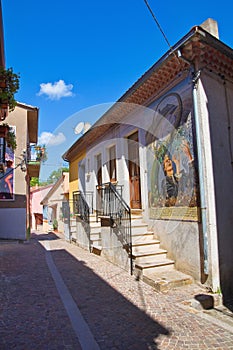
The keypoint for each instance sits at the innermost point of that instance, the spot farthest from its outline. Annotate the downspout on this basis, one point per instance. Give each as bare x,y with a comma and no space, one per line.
203,205
196,76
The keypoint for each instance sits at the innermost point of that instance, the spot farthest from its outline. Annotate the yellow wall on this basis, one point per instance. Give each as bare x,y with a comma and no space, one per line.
73,179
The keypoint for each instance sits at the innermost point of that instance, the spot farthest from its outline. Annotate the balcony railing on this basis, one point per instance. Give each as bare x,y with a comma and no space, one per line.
111,204
34,156
35,153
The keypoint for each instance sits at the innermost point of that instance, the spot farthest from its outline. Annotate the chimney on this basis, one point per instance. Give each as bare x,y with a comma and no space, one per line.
211,26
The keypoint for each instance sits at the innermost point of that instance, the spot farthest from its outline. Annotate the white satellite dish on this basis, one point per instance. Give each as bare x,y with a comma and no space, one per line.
86,127
79,128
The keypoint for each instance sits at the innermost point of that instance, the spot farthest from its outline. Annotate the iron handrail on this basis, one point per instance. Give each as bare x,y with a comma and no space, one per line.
113,206
81,207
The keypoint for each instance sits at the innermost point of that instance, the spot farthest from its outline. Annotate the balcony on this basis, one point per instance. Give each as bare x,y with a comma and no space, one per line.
35,155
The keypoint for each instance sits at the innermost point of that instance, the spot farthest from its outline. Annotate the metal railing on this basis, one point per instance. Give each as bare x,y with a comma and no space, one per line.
83,205
111,204
35,153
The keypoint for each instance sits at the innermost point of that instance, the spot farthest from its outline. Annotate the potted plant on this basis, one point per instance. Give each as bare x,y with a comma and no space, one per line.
9,135
9,85
4,129
41,154
11,140
55,225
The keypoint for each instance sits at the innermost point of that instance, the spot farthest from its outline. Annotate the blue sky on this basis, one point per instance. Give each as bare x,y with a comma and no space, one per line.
73,55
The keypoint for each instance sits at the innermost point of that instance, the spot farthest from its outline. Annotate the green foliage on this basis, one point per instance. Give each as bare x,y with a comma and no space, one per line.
55,224
160,150
11,140
41,153
9,85
10,136
34,181
56,174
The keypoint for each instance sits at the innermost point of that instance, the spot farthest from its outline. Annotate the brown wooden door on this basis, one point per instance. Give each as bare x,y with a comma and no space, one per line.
99,182
134,171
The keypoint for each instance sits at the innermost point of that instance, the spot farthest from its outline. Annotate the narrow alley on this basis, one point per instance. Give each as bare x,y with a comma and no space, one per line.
55,295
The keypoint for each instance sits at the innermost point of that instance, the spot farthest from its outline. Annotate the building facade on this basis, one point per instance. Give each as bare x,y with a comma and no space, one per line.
19,166
166,148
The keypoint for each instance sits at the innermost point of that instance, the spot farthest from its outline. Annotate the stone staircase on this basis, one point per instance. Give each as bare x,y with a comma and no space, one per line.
95,235
73,227
150,260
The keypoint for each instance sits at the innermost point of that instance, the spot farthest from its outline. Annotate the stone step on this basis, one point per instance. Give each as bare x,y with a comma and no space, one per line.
146,240
140,230
92,218
95,235
166,280
139,239
151,258
145,233
95,230
155,266
139,252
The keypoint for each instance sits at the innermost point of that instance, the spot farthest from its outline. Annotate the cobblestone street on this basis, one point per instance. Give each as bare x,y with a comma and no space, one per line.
55,295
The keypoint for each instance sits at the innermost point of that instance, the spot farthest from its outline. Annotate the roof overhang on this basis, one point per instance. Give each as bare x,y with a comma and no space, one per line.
32,119
196,46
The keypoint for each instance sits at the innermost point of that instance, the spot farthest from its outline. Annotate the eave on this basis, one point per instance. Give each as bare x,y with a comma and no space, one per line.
198,47
32,118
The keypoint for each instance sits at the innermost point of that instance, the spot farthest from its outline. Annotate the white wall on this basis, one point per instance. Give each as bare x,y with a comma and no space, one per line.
219,101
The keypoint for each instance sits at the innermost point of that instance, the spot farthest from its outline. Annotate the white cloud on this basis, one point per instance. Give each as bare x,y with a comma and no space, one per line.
48,139
56,91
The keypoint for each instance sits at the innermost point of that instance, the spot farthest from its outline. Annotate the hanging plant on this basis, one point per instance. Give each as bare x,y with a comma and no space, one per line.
4,129
9,85
11,140
9,135
41,153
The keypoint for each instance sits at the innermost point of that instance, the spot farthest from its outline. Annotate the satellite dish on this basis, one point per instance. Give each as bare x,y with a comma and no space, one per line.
79,128
86,127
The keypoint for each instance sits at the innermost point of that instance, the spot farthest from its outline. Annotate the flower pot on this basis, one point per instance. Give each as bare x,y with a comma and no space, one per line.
4,131
4,105
2,84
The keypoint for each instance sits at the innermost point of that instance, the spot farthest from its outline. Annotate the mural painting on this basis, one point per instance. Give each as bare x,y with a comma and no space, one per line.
172,172
7,173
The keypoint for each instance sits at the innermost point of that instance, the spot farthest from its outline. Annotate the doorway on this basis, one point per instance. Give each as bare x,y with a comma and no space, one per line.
134,171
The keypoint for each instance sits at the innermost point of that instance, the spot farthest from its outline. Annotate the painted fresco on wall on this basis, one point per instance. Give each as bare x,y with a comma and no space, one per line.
7,174
172,175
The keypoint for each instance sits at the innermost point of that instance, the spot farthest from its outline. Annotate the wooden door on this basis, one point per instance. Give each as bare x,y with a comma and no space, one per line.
134,171
99,182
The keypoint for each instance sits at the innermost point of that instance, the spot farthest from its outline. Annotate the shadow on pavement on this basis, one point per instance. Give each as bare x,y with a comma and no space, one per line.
33,315
114,321
50,236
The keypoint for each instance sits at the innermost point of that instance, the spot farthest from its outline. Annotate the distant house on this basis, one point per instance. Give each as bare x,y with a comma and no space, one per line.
53,204
37,194
159,165
16,171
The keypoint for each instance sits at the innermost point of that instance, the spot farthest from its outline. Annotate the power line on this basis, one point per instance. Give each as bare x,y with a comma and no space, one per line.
157,22
160,28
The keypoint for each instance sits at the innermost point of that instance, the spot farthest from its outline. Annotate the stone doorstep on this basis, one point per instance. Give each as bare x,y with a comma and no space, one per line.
166,280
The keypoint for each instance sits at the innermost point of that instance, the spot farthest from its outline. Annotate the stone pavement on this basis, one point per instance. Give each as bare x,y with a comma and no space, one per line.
55,295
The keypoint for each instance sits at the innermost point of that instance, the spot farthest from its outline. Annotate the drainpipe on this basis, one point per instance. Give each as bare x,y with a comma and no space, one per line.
196,76
201,173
